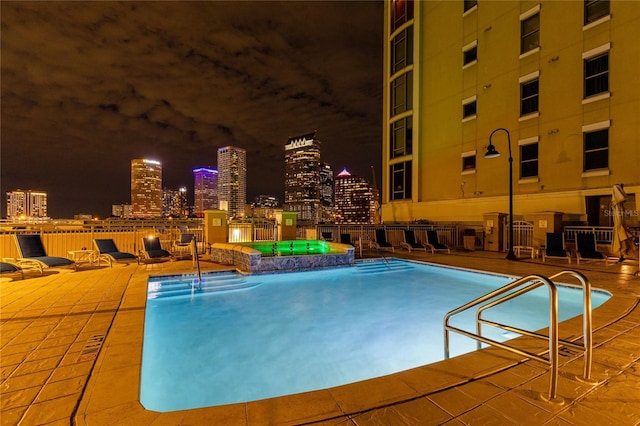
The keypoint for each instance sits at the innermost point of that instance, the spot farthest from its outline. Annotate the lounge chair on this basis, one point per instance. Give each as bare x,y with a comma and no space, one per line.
32,254
108,251
153,251
410,242
7,268
381,242
327,236
554,248
586,248
182,247
433,243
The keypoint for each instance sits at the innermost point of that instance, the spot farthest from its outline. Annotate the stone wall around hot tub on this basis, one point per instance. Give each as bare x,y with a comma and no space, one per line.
250,260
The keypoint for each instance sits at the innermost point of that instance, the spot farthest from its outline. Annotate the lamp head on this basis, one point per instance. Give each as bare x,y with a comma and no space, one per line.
491,152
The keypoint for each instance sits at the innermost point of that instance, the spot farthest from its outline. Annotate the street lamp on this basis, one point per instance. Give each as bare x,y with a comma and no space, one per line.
493,153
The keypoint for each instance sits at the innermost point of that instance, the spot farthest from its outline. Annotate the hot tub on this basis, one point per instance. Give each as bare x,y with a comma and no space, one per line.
288,255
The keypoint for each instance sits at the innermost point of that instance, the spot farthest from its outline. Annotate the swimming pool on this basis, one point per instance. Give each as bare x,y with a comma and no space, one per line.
244,338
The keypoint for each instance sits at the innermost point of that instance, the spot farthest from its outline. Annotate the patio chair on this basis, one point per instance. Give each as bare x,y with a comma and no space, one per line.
32,254
153,251
381,242
7,268
410,242
327,236
554,247
434,244
108,251
182,247
586,248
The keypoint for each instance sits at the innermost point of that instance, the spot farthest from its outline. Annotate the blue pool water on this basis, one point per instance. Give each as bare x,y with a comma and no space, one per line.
243,338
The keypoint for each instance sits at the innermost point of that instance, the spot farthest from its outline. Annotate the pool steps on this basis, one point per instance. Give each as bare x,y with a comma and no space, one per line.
210,283
378,267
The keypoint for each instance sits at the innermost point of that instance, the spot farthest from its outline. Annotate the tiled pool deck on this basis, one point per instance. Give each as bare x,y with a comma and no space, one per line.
71,345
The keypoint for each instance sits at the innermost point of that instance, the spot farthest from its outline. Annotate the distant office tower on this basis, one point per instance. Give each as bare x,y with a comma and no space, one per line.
265,201
232,180
21,203
146,188
124,211
205,189
302,191
326,193
354,199
174,202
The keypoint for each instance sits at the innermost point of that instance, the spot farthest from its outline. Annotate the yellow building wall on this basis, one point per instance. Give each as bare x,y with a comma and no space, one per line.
441,192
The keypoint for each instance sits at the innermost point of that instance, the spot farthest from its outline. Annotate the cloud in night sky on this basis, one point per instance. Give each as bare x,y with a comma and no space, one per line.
88,86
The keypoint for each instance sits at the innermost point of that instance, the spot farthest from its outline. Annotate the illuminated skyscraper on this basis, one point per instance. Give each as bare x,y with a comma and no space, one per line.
302,190
354,199
26,203
146,188
232,180
174,202
326,192
205,185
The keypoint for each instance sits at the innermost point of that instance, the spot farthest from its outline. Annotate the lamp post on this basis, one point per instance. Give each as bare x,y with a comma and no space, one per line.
492,153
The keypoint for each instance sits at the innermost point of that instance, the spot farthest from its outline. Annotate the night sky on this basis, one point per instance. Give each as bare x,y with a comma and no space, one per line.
88,86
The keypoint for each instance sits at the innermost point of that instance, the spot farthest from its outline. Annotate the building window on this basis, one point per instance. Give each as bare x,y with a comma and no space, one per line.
401,137
596,150
401,12
402,94
469,4
470,54
596,75
529,160
594,10
469,108
402,50
469,162
529,97
530,33
400,181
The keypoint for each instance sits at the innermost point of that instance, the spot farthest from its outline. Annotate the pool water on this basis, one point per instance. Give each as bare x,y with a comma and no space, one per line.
243,338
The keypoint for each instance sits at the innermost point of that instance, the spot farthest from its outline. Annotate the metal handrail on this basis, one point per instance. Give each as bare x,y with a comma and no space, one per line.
586,346
553,325
196,260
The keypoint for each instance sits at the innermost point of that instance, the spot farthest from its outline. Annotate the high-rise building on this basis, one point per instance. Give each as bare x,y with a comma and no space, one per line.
266,201
174,202
124,211
557,80
205,184
302,190
354,199
146,188
29,203
232,180
326,193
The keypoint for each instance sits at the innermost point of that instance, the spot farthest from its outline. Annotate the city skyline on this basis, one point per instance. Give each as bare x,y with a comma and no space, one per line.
86,87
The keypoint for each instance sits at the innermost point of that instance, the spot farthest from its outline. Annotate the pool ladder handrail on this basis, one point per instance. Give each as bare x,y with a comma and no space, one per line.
196,260
554,341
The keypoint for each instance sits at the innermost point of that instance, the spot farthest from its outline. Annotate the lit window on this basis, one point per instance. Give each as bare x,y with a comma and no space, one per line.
402,50
529,160
400,181
401,137
401,12
402,94
530,33
596,75
596,150
594,10
529,97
